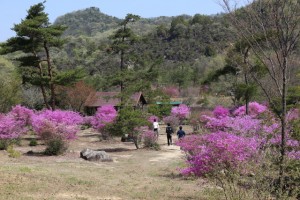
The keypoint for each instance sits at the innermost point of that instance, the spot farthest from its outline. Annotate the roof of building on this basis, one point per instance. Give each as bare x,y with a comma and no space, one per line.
171,102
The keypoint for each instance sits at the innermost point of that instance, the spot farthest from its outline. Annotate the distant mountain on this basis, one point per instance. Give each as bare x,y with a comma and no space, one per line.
87,22
92,21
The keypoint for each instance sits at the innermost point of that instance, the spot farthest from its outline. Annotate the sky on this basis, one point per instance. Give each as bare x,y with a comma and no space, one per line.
12,11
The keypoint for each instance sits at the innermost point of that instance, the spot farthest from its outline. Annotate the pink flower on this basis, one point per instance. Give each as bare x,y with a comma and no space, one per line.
182,111
221,112
254,109
152,118
104,115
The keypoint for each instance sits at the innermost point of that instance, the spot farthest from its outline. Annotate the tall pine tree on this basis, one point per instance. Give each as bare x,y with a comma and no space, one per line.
35,37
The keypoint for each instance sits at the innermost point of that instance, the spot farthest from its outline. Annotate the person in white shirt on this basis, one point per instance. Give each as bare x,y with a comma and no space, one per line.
155,127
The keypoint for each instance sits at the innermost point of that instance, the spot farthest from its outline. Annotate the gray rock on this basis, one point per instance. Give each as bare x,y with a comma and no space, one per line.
92,155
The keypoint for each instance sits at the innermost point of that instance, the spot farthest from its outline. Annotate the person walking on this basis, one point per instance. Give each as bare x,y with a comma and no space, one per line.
155,127
180,133
169,131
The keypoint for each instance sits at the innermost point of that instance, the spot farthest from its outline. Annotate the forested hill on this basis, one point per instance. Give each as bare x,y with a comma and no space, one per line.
194,44
87,22
92,21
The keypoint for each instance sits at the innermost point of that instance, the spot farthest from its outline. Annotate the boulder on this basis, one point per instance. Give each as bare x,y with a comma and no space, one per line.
92,155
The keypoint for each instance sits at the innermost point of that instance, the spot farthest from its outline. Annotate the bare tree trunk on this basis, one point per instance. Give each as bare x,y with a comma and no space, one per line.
247,97
50,74
43,88
44,96
283,130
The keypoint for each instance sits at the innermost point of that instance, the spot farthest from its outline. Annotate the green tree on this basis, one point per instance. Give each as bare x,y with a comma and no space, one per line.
35,38
128,119
123,40
10,82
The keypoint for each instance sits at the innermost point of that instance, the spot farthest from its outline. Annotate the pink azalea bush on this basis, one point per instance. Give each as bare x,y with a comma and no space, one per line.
22,114
216,151
173,120
254,109
14,124
105,115
149,138
152,118
56,128
182,111
220,112
233,140
10,128
171,91
63,124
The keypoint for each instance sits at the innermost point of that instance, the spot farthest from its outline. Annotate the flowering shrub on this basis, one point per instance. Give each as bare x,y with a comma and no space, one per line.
13,125
151,118
293,115
182,111
254,109
217,151
235,139
171,91
220,112
61,117
10,128
104,115
173,120
22,114
149,138
87,121
56,128
59,123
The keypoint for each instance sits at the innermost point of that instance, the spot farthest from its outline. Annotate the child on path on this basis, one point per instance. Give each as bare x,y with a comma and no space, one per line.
180,133
169,131
155,127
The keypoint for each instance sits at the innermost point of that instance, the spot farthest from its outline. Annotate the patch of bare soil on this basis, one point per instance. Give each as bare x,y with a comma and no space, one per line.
133,174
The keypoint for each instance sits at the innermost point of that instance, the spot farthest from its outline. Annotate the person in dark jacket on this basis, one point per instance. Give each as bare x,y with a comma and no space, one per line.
169,131
180,133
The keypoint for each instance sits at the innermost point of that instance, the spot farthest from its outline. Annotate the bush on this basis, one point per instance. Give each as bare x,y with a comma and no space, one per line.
55,146
152,118
150,139
33,142
10,128
127,121
241,151
22,115
217,151
104,116
173,120
4,144
220,112
182,111
254,109
87,122
56,128
13,153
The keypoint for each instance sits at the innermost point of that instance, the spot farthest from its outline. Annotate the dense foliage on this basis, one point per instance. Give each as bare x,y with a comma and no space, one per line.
235,143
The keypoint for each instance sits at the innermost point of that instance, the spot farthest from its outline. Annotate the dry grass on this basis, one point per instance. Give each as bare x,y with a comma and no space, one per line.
134,174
